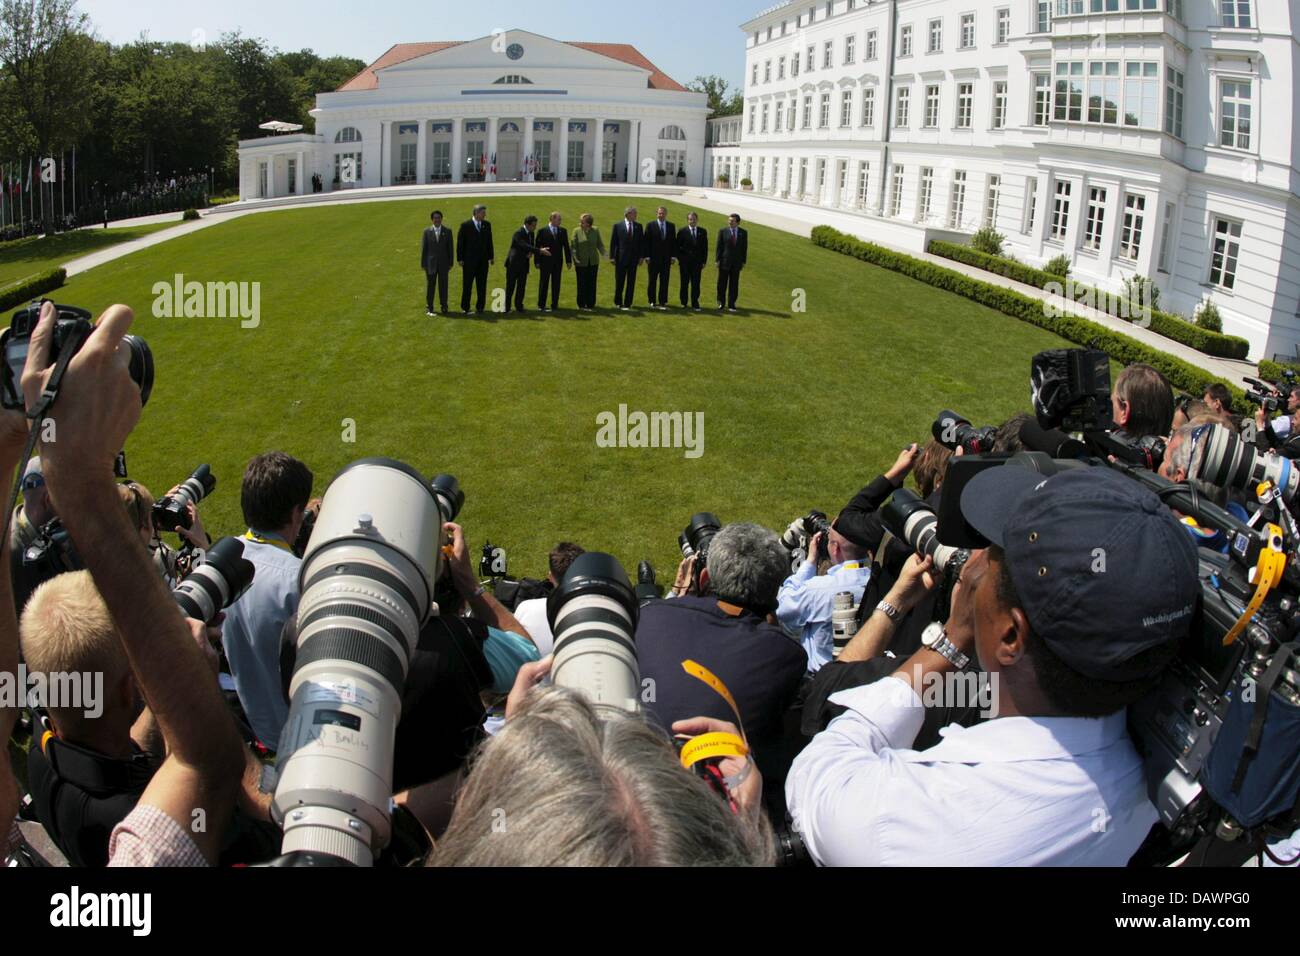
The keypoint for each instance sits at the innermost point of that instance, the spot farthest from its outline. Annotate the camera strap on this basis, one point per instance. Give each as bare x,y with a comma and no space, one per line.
1263,692
48,396
716,745
1266,575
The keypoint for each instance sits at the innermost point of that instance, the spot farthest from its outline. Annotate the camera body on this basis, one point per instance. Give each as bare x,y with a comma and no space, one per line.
695,540
72,327
953,431
171,513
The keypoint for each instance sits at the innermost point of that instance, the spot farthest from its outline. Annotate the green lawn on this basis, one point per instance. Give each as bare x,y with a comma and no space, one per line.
28,257
800,409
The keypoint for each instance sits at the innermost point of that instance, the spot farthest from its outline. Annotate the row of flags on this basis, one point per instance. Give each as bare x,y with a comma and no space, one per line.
19,193
488,165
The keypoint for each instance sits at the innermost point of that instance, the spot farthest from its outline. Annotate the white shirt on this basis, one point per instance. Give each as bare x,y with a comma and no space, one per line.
1012,791
806,601
532,615
251,637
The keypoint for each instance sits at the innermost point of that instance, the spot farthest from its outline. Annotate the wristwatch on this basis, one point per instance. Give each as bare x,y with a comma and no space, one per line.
889,611
935,637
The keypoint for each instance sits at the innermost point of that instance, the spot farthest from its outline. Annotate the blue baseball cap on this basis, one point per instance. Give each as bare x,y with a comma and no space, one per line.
1103,569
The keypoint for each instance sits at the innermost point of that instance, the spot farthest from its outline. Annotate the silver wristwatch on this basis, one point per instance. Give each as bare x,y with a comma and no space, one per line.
889,611
935,638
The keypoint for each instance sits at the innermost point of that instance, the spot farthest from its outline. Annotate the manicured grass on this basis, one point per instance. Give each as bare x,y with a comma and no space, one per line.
801,408
27,257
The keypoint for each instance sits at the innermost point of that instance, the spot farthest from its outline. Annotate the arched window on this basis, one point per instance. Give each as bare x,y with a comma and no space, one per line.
672,132
348,134
513,79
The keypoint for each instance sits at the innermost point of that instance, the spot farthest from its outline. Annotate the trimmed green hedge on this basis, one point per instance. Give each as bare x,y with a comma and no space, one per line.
22,292
1162,323
1182,375
1271,371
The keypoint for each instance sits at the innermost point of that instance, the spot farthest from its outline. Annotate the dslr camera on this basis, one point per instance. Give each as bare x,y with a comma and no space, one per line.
71,329
695,540
171,513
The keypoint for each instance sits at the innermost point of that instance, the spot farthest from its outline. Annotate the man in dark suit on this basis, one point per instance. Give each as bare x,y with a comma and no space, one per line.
732,251
661,250
550,267
692,254
627,252
522,251
437,253
475,253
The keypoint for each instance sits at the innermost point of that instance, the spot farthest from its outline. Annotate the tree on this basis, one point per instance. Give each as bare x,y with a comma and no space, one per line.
51,73
722,102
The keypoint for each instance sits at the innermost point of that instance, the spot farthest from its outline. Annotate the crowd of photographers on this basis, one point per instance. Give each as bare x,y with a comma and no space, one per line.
949,675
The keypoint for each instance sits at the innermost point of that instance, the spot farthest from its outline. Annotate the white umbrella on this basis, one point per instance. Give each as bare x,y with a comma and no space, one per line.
276,126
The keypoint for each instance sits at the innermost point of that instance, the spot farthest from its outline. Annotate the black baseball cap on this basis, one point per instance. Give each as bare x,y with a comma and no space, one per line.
1103,569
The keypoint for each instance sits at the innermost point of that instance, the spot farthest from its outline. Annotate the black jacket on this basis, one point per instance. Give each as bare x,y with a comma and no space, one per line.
661,243
627,250
693,251
522,249
756,660
437,256
729,256
474,247
561,255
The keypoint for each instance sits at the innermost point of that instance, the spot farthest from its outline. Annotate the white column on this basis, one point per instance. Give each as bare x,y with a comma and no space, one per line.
457,149
302,172
562,170
385,151
528,144
494,126
270,177
633,150
598,160
422,153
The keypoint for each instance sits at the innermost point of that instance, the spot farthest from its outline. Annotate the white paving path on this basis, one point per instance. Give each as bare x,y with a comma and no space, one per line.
792,217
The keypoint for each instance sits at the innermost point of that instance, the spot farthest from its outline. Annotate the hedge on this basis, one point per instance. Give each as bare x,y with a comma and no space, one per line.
1182,375
1162,323
1271,371
23,292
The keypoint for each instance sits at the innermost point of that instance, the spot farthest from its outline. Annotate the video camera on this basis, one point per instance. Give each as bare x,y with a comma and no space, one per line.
1221,733
1070,389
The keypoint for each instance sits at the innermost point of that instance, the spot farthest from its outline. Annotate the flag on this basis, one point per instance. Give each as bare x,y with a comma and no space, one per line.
493,168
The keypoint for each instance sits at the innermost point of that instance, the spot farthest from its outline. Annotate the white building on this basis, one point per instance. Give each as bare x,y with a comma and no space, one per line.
439,112
1138,137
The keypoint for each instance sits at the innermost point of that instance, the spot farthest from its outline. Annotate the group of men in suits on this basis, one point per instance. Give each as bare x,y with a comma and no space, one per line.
659,246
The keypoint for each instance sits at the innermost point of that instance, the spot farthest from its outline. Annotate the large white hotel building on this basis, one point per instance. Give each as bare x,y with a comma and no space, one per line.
1137,137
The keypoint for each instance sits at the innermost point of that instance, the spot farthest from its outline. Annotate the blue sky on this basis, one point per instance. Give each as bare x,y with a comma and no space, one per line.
684,39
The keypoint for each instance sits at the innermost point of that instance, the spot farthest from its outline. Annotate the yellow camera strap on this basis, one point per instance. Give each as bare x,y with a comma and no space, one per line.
715,744
1266,575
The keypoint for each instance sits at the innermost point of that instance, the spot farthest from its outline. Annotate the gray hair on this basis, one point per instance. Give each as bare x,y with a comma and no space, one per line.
478,209
1187,459
747,565
559,786
629,209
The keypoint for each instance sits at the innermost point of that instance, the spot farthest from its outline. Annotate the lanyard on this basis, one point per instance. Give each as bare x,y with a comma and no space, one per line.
276,542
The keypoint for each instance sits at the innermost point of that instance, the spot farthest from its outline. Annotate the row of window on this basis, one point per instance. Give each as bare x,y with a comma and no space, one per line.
1225,247
871,47
1105,92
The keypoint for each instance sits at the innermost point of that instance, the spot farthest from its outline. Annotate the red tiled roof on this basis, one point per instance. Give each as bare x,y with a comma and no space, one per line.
401,52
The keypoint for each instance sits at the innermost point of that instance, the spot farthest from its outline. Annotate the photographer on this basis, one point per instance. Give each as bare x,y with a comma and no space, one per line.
97,407
578,788
1053,778
88,770
806,599
1267,438
274,495
1142,402
139,505
532,613
29,517
732,630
